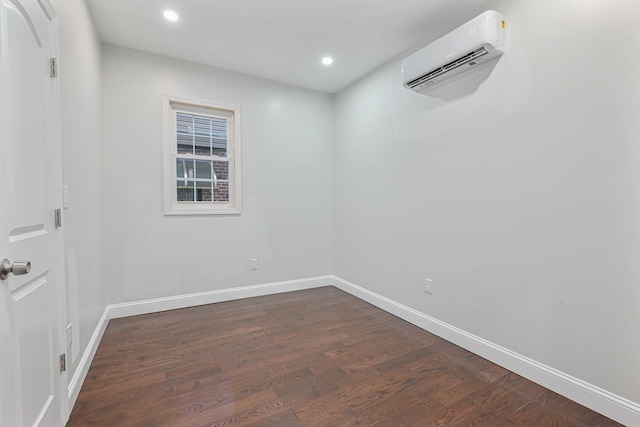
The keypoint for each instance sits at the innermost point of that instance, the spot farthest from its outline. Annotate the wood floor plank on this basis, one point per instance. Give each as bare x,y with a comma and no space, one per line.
319,357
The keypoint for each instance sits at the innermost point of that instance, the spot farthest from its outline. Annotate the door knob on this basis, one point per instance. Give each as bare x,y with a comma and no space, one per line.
18,268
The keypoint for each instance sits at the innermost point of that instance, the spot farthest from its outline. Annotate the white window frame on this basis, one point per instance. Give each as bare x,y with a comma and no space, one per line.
170,105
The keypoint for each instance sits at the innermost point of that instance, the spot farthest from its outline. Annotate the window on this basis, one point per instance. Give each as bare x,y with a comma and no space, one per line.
202,157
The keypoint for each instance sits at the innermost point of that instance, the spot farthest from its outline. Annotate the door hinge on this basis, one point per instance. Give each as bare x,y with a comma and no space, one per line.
54,67
63,362
58,218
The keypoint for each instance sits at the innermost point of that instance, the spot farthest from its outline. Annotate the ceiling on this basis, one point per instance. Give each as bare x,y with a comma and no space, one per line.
282,40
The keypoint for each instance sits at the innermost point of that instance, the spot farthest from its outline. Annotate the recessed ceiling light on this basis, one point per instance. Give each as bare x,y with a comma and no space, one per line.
170,15
327,60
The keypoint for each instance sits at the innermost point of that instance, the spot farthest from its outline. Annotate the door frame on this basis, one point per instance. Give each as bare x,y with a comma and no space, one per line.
58,259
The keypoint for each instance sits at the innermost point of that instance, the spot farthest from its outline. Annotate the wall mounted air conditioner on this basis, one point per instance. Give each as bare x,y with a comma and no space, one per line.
473,43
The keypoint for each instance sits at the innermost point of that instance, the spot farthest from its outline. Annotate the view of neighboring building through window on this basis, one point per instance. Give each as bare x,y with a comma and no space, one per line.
204,178
204,156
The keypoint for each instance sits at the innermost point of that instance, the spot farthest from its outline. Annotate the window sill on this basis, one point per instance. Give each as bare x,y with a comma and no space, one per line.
200,211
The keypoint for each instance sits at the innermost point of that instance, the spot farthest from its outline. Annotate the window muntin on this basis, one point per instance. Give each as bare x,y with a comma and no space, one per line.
203,152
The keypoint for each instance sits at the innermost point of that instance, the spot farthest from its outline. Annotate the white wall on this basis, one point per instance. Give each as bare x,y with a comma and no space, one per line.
287,183
80,83
519,195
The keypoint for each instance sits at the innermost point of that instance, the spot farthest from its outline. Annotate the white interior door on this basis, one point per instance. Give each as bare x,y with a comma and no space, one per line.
30,304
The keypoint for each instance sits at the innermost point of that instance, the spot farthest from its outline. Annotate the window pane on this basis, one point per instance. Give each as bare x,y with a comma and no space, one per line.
196,182
204,194
202,132
184,123
185,144
185,191
219,151
185,169
219,136
201,135
179,169
202,145
221,169
184,127
202,125
203,169
221,192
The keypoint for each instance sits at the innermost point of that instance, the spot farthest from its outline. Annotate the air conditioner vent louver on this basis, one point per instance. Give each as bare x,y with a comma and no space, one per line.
477,41
469,57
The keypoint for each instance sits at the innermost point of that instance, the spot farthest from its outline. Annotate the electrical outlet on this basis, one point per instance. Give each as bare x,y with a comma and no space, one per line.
254,263
428,285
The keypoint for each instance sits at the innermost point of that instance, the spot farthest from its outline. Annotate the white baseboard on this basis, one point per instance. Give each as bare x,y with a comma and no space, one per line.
210,297
615,407
115,311
85,361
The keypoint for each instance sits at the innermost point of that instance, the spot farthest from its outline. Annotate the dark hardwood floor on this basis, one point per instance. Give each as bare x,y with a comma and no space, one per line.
310,358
